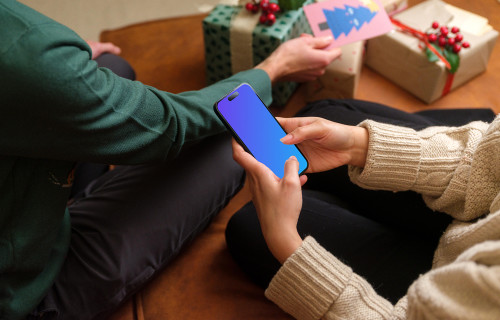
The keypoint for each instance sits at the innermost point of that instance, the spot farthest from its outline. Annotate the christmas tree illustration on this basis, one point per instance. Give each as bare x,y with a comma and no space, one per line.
344,20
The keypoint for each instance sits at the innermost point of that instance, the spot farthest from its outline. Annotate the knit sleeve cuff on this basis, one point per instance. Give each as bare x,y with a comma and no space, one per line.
309,281
393,158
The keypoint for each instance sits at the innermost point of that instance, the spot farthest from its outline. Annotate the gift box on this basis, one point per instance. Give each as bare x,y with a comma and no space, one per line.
235,41
394,6
403,58
341,76
290,4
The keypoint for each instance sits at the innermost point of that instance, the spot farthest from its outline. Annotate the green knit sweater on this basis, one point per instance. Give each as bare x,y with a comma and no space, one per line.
58,107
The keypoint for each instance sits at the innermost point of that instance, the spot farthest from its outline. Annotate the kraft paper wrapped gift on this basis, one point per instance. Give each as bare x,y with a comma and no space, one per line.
235,41
341,76
394,6
401,58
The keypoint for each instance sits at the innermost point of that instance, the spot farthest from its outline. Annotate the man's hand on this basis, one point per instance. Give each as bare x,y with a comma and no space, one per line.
326,144
99,48
300,59
278,201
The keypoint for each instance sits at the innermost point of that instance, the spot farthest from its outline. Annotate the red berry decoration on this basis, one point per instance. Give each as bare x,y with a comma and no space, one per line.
432,37
268,10
444,31
264,5
450,43
252,7
442,41
273,7
263,18
271,19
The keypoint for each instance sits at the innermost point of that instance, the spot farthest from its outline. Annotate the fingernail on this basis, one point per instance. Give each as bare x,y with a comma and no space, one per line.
293,158
286,138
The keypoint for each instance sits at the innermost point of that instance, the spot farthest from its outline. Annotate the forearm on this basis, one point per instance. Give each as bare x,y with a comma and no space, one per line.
324,287
435,162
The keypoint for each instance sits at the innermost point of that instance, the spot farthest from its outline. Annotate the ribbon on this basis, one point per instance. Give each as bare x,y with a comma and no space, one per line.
240,39
423,37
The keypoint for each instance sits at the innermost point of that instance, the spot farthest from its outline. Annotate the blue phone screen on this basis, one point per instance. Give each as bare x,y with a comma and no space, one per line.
256,127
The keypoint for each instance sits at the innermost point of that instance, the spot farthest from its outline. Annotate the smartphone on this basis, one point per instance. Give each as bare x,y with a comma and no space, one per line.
256,129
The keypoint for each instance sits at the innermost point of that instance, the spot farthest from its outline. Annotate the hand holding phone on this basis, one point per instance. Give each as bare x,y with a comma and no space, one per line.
256,129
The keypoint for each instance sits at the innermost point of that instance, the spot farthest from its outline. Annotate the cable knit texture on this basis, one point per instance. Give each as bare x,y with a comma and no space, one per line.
457,171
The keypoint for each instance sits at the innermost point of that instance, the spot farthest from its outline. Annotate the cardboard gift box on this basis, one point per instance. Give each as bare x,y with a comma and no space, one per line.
401,57
235,41
341,76
394,6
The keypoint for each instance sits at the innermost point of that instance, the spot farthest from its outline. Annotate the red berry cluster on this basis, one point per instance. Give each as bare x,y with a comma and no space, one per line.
268,10
444,38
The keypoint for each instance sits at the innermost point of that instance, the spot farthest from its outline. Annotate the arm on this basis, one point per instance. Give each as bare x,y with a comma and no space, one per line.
323,287
437,162
71,110
314,284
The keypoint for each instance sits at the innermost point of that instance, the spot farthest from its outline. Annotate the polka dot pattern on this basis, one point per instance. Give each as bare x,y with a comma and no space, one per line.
266,39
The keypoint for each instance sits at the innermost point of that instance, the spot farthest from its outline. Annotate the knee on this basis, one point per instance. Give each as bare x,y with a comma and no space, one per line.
117,64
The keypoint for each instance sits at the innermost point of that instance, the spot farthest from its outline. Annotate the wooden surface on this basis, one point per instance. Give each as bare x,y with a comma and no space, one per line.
204,282
169,55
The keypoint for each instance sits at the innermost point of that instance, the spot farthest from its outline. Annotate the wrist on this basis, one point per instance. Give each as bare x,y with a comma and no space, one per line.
359,150
273,69
282,245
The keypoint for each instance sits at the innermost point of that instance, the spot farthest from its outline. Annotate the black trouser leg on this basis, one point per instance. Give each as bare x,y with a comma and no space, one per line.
388,238
133,221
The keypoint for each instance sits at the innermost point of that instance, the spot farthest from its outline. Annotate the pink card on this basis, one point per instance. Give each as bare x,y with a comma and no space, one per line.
347,20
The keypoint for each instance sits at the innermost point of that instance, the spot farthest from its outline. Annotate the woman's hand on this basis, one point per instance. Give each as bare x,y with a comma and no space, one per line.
278,201
300,59
326,144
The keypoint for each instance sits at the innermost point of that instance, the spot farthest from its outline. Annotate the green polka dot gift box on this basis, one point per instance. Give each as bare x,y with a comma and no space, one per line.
236,41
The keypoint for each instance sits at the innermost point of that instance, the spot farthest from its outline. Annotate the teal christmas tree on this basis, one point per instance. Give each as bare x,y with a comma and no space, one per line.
343,20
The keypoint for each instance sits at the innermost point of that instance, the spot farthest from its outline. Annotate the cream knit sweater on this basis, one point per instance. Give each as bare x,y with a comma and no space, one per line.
457,171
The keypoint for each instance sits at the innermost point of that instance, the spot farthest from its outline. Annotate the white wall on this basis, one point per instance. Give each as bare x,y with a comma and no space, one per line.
89,17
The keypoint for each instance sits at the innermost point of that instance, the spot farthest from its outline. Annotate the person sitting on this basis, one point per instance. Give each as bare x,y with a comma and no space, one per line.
82,260
398,217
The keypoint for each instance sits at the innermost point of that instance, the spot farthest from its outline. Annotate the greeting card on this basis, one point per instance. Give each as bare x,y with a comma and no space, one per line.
348,20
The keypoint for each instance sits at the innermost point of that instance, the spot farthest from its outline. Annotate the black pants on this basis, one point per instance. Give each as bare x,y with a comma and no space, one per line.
388,238
130,222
